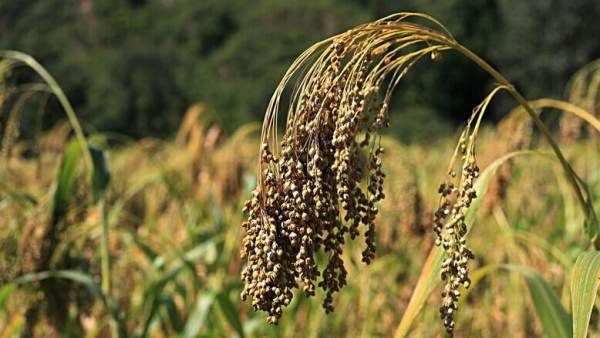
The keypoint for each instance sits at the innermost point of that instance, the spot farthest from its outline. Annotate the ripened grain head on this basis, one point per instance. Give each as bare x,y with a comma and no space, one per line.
314,193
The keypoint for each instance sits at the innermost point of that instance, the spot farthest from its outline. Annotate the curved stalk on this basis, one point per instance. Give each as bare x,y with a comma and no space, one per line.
571,175
567,107
435,256
60,95
344,91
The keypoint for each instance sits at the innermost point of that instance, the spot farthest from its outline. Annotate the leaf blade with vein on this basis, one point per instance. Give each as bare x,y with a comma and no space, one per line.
585,280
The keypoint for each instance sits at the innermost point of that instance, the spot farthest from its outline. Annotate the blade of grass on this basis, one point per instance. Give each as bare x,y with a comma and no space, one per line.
60,95
100,173
231,313
172,312
99,184
153,291
428,279
5,291
585,279
65,180
555,320
567,107
199,315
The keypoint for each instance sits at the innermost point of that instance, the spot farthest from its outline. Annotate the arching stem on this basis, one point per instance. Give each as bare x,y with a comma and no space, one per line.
571,175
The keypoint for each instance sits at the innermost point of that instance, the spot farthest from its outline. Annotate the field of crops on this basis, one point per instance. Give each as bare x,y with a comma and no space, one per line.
104,236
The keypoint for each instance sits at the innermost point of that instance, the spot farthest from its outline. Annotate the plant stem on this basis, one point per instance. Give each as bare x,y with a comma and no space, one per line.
105,265
571,175
104,255
60,95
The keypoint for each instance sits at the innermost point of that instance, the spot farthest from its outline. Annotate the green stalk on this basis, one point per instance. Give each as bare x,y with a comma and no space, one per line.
105,264
104,255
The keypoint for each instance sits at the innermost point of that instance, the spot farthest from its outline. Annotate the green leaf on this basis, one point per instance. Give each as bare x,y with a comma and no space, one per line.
142,245
585,280
172,312
555,320
199,315
66,179
100,173
153,290
5,292
73,275
231,313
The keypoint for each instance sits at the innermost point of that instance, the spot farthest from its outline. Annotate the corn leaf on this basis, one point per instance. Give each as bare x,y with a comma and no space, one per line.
585,280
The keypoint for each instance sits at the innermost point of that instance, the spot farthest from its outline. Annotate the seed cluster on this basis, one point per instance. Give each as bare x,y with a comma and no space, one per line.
312,194
456,196
451,231
322,183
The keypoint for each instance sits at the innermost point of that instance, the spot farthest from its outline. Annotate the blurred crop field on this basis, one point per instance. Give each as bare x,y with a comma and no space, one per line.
121,199
172,209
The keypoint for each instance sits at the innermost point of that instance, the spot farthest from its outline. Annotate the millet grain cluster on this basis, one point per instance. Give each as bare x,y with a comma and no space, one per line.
311,195
313,191
449,225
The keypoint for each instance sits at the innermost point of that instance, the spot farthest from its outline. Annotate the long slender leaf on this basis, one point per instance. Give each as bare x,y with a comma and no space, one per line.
153,291
231,313
57,90
585,280
66,179
172,312
199,315
5,291
76,276
555,320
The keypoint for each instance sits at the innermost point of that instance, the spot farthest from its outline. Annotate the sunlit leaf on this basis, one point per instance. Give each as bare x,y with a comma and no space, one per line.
199,315
585,280
5,291
66,179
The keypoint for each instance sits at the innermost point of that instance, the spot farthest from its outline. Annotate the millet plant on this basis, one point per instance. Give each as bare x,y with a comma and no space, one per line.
311,194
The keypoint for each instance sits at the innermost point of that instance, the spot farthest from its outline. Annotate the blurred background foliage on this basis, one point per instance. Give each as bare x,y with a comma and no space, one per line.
132,67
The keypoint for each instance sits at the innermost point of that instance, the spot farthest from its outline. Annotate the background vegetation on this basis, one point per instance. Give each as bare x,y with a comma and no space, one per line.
134,66
142,239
